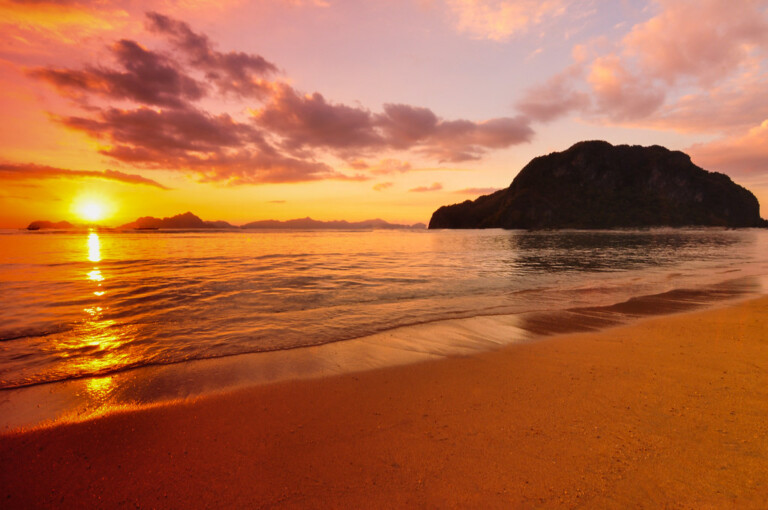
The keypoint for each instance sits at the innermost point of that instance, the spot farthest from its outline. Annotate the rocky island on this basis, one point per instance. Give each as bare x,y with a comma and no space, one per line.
595,185
44,224
180,221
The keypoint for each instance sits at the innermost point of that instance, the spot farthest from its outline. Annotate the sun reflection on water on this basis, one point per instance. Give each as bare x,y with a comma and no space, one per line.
96,340
94,247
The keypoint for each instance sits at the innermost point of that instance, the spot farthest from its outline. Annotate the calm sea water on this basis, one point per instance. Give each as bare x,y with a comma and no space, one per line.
87,303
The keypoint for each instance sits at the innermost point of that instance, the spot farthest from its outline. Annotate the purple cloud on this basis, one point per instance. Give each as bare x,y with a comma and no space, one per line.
233,72
288,132
145,77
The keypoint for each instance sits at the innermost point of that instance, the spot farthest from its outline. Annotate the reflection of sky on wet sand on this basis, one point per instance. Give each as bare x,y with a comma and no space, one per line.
81,399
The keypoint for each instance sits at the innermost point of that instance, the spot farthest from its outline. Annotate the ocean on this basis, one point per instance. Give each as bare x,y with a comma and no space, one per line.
79,305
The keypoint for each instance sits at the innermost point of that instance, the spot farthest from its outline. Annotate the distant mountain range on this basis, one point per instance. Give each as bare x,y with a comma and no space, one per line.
191,221
309,223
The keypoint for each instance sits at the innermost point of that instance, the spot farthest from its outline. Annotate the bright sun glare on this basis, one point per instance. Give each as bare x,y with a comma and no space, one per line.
91,210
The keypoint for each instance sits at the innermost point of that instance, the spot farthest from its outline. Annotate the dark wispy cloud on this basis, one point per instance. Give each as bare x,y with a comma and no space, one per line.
381,186
217,147
232,72
556,97
15,172
422,189
142,76
287,135
307,122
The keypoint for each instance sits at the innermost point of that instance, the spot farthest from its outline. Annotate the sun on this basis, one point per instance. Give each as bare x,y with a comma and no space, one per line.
91,209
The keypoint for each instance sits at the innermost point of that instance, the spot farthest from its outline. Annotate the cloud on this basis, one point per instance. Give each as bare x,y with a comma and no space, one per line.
477,191
702,73
621,95
59,22
422,189
500,19
382,186
556,97
285,138
701,39
731,107
745,154
144,77
390,166
307,122
232,72
26,171
215,146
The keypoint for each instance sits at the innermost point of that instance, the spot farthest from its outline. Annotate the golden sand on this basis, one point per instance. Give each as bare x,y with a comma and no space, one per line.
665,412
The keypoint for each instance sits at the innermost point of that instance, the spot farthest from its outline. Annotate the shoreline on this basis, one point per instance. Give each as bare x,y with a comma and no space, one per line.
82,399
664,411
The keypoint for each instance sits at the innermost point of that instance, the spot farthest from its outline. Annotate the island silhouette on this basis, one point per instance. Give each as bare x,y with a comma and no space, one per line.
596,185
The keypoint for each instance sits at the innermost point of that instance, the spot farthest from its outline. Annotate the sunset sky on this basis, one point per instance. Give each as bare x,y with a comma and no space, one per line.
336,109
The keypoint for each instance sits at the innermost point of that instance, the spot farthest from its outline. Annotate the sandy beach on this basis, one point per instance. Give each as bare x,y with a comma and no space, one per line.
669,411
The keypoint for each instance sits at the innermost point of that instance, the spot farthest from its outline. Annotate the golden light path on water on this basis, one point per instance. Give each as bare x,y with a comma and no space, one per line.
96,333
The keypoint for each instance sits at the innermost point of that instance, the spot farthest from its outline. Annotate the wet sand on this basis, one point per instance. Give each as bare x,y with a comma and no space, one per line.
664,412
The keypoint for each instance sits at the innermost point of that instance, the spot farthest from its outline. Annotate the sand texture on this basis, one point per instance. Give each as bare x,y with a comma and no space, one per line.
665,412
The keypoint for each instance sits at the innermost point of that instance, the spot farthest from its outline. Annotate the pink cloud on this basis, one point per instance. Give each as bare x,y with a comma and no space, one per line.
500,19
619,94
745,154
423,189
694,66
164,125
702,39
734,106
556,97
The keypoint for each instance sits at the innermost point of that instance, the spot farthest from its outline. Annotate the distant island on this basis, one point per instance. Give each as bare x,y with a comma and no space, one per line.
309,223
189,220
595,185
186,220
41,224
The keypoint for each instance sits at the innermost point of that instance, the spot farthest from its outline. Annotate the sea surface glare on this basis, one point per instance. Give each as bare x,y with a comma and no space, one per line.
77,304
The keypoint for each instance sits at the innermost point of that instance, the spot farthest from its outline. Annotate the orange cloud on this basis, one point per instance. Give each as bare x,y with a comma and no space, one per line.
382,186
476,191
161,122
65,21
422,189
745,155
500,19
705,40
27,171
618,93
694,66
